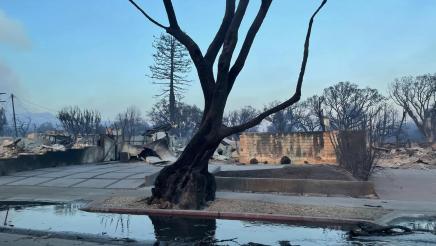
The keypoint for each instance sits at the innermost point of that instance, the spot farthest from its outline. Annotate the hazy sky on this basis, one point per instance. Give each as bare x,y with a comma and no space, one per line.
96,53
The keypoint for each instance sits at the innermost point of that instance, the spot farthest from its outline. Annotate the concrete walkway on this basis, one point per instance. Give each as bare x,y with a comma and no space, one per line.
89,182
109,176
102,176
406,184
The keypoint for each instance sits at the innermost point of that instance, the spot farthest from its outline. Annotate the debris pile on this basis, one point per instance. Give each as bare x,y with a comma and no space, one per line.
227,151
163,152
415,157
8,148
83,142
32,144
156,152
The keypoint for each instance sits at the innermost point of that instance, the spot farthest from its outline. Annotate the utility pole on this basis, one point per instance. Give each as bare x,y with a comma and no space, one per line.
13,113
3,120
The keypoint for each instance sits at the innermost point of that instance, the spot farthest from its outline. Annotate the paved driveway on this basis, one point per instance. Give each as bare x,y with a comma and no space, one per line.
110,176
103,176
405,184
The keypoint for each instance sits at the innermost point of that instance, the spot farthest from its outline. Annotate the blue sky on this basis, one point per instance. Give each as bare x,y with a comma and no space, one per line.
96,53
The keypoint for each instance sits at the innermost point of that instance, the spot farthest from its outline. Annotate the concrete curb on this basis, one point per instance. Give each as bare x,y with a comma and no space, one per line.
309,220
359,189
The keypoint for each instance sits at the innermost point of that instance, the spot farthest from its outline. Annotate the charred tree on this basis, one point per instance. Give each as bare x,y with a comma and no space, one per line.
3,121
417,97
188,117
187,183
78,122
130,123
170,69
348,106
315,116
237,117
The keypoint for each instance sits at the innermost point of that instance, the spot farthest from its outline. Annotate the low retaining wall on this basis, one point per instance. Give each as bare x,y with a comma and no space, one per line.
51,159
298,186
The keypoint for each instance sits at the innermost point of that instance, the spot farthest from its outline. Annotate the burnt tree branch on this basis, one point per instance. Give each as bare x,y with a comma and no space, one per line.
171,14
230,41
295,98
147,16
218,40
205,75
246,46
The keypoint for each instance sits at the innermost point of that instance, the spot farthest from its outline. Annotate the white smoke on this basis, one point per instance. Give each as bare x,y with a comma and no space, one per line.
12,33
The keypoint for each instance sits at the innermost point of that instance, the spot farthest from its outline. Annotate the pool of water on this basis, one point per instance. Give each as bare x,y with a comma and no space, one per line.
69,218
420,223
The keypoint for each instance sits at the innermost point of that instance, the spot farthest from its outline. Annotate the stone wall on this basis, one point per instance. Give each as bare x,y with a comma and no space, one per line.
301,147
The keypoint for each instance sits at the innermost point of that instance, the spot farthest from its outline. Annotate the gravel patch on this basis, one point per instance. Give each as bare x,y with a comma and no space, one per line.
245,206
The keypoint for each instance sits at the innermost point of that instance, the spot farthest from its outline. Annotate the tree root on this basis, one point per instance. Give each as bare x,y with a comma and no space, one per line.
182,189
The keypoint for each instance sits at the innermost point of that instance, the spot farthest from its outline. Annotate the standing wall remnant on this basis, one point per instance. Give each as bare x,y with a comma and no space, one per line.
300,147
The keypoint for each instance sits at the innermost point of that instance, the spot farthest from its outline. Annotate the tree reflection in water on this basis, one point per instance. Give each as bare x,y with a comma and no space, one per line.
120,222
183,230
68,209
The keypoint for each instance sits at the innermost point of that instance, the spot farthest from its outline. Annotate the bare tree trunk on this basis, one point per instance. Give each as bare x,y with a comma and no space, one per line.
397,135
172,101
187,183
321,121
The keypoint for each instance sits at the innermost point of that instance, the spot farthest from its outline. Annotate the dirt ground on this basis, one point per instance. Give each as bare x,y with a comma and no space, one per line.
322,172
246,206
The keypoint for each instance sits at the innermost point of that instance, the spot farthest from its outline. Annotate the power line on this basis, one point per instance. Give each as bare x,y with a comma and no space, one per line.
22,107
37,105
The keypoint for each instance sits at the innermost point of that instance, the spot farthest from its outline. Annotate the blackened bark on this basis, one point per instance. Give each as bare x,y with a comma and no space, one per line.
172,99
321,120
187,184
